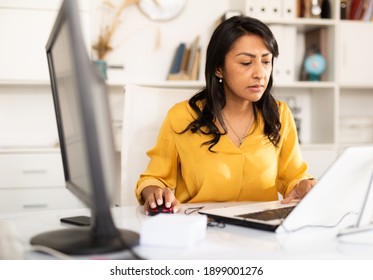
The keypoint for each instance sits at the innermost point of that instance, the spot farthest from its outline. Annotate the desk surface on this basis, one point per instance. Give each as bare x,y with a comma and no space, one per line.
230,242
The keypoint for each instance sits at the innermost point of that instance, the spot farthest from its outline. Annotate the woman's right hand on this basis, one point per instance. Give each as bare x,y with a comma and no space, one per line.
154,195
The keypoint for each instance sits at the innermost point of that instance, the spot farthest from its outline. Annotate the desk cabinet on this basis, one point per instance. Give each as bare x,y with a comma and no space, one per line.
18,199
33,180
31,169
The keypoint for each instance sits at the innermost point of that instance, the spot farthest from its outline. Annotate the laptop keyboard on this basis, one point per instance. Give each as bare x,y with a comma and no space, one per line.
268,215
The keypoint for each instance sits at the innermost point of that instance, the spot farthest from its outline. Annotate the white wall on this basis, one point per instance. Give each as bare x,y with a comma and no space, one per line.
146,48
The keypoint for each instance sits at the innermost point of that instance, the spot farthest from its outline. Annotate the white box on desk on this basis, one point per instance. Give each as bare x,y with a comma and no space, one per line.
173,230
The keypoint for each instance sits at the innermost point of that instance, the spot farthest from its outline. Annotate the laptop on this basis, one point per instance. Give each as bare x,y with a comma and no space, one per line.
339,192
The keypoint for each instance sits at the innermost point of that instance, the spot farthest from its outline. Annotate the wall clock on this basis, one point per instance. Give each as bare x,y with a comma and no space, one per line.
161,10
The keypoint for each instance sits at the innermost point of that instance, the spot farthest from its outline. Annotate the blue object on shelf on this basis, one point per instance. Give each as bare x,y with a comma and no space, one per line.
101,67
315,66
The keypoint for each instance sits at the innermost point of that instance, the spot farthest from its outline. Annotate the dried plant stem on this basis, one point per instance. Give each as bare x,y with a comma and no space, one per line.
103,44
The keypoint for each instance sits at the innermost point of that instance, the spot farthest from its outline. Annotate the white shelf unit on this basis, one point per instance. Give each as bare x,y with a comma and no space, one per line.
356,83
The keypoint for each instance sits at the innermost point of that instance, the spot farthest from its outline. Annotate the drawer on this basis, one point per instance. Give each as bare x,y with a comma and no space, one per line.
16,200
31,170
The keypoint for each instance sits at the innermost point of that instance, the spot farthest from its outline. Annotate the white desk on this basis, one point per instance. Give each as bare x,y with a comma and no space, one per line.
230,242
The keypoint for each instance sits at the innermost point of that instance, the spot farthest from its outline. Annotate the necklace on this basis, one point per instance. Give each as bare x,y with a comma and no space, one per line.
244,135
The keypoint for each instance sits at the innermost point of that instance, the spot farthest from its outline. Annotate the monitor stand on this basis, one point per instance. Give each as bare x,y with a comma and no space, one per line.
357,235
102,236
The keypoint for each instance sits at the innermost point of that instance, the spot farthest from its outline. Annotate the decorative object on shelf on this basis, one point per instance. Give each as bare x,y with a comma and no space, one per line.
311,8
101,67
161,10
103,46
315,65
315,8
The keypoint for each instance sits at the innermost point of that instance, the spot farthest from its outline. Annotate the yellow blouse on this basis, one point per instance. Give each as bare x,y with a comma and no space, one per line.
255,171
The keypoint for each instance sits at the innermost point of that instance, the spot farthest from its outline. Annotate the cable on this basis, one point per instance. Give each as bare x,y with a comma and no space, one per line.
50,251
191,210
318,226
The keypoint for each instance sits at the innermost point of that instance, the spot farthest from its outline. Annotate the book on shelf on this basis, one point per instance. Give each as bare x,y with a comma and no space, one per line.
368,13
176,63
356,10
185,65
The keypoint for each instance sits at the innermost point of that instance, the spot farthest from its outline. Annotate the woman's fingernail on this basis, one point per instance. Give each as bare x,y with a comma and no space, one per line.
159,201
153,205
168,204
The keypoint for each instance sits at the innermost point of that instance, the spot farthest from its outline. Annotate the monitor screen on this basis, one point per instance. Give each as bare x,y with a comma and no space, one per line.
86,140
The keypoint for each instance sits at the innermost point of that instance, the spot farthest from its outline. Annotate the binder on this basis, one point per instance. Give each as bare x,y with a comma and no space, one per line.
271,9
289,9
254,8
249,8
274,10
284,66
264,9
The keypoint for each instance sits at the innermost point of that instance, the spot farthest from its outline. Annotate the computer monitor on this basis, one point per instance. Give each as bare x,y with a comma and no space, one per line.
86,140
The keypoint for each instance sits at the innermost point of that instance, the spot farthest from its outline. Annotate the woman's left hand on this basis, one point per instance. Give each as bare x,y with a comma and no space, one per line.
300,190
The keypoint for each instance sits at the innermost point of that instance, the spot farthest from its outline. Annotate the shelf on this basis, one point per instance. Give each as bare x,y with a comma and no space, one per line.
184,84
24,83
306,84
171,84
200,84
25,149
303,22
360,86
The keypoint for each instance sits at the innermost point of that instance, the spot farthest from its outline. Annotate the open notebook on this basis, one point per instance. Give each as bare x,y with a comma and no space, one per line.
341,190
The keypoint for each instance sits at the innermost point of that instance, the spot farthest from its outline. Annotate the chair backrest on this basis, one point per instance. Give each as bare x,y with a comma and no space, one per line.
144,111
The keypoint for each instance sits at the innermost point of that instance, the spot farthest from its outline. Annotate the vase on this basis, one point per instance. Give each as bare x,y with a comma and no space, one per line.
101,66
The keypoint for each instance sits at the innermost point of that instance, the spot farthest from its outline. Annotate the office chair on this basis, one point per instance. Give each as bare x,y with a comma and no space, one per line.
145,108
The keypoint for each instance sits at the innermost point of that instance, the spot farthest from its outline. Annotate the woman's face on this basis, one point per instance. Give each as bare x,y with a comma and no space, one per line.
247,69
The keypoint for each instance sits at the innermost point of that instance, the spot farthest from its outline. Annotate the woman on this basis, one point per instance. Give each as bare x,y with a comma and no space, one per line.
232,141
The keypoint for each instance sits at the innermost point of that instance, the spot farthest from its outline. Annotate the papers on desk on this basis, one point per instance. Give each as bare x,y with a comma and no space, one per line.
175,230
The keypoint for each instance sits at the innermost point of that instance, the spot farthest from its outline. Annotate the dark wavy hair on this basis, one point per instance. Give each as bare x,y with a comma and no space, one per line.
212,96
